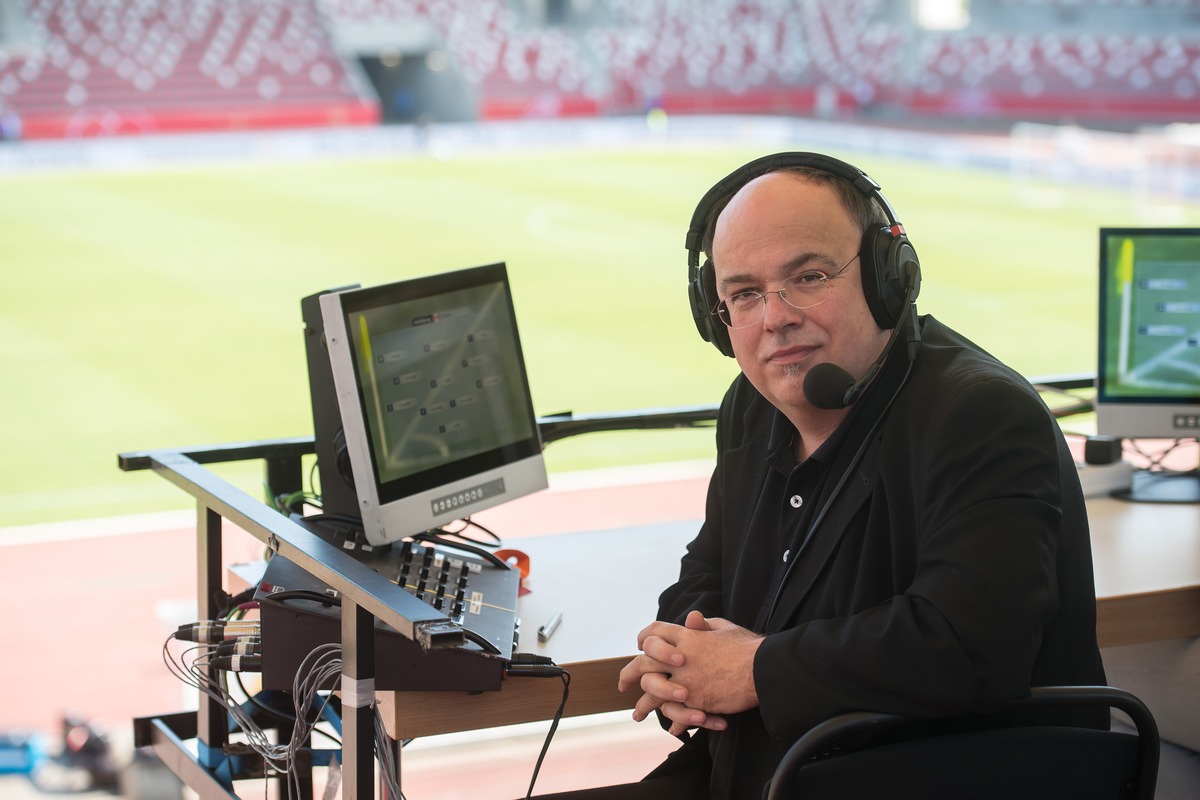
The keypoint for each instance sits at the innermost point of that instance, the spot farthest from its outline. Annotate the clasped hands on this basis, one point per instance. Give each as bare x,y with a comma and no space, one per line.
695,673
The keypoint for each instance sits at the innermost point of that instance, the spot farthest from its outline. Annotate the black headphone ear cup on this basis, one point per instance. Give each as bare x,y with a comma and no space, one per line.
885,258
702,292
873,258
342,457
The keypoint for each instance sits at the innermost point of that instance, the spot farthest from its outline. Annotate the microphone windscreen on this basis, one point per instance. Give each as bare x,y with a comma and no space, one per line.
826,385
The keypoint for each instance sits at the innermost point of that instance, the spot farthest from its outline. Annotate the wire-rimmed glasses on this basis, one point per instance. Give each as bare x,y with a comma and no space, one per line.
805,290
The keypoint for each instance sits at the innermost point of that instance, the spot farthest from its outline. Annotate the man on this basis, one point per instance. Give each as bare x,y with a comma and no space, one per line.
900,529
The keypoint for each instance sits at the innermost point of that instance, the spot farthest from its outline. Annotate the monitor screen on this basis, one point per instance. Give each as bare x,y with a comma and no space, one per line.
434,399
1148,374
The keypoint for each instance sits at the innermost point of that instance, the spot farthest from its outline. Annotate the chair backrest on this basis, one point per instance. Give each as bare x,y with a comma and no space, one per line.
1030,762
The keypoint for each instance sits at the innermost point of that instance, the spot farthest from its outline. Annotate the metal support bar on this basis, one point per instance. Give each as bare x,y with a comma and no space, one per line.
212,724
293,447
165,735
358,701
349,577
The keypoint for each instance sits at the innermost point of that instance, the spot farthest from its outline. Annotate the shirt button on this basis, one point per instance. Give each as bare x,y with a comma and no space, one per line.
796,501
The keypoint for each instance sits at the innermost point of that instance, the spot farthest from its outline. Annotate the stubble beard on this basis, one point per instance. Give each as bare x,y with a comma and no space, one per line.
794,375
794,371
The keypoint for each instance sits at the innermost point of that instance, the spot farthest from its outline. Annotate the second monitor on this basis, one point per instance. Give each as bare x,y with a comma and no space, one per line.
434,399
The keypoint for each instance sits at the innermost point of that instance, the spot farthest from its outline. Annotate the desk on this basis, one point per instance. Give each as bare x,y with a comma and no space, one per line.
1147,565
1146,558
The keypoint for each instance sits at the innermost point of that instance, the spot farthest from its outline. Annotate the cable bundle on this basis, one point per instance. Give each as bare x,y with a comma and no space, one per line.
193,668
318,673
320,670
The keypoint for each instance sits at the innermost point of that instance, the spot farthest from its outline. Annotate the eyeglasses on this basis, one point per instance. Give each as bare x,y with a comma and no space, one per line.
745,308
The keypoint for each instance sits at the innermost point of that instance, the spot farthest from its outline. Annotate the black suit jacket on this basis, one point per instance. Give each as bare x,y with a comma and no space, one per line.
949,571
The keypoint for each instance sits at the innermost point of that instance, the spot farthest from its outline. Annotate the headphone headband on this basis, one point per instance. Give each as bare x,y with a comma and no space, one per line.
735,180
888,260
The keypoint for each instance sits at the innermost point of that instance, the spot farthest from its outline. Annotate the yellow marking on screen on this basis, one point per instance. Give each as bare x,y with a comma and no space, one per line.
1125,290
1125,264
364,335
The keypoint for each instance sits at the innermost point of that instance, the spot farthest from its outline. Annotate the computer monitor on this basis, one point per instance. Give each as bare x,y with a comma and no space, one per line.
434,399
1148,373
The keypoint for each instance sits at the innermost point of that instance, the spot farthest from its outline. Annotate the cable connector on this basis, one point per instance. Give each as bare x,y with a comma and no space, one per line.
530,658
242,646
214,631
237,663
534,671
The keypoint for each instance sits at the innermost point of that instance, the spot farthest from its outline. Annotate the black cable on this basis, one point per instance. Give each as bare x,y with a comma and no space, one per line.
566,679
467,522
488,556
480,640
284,595
280,713
330,519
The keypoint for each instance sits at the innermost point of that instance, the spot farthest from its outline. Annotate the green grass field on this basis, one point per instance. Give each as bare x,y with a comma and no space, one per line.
161,308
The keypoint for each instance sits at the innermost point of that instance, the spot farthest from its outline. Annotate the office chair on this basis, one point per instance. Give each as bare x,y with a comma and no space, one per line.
1009,763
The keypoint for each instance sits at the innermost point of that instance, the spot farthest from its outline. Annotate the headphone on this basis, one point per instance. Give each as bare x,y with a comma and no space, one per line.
891,273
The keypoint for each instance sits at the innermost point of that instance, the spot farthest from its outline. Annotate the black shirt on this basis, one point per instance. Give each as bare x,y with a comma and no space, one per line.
783,516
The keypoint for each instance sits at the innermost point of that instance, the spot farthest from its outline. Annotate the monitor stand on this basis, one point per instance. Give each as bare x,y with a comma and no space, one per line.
1162,487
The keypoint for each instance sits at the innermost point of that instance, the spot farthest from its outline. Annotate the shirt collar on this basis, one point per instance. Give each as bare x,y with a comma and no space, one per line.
781,451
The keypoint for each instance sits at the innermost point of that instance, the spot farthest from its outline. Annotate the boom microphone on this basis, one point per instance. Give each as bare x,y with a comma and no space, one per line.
829,386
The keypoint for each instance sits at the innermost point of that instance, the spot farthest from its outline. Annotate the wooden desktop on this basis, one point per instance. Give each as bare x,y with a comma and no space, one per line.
1146,558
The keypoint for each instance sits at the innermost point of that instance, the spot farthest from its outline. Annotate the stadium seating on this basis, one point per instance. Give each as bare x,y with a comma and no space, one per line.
735,56
123,65
1094,76
129,65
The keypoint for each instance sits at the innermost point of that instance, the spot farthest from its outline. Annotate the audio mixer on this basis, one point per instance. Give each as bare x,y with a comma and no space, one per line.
477,593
